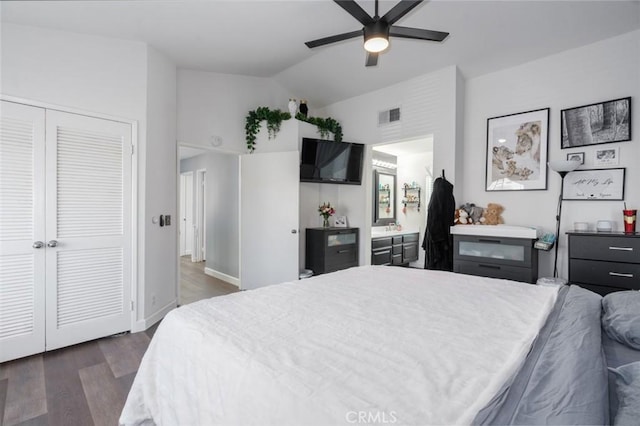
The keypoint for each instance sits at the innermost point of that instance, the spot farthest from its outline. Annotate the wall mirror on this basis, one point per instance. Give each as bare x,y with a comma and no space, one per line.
384,198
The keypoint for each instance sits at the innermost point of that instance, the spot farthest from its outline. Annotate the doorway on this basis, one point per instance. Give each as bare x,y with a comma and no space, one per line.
413,168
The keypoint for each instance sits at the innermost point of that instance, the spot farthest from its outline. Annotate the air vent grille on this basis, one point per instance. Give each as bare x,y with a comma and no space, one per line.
389,116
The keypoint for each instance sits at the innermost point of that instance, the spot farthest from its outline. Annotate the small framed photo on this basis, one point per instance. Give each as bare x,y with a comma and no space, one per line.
606,156
576,156
340,222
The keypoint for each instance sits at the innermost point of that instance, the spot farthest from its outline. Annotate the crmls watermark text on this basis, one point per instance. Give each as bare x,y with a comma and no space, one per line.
371,417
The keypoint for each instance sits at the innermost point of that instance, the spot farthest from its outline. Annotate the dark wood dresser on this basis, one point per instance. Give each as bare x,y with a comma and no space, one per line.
604,262
331,249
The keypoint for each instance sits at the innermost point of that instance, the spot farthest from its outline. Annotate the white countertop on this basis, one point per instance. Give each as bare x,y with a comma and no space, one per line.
508,231
379,231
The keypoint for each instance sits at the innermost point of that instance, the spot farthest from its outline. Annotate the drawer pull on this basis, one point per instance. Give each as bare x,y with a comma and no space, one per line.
380,252
343,251
484,240
488,266
621,248
619,274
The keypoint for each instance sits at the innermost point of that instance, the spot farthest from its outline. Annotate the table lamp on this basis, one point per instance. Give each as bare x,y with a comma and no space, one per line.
562,167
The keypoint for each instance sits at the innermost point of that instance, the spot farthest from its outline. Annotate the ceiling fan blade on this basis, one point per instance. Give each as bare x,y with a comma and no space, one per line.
333,39
417,33
372,59
355,10
399,10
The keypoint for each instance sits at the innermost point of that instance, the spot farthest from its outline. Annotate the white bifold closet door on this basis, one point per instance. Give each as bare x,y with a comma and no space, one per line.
75,285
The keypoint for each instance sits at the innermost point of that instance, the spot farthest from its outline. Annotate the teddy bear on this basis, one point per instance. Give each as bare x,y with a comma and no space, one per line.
461,217
492,214
476,215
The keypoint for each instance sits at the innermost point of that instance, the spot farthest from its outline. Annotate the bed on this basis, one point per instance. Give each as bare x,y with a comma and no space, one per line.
377,344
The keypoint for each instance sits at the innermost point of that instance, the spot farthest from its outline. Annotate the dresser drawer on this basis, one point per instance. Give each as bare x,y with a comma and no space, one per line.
601,290
379,243
341,254
490,270
609,248
409,238
614,274
381,257
506,251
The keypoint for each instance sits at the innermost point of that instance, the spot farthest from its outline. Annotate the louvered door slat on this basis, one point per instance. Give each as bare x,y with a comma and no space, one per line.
89,179
90,267
22,268
16,179
89,286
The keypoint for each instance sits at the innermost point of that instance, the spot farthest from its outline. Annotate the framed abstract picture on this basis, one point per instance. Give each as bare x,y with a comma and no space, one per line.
517,151
602,122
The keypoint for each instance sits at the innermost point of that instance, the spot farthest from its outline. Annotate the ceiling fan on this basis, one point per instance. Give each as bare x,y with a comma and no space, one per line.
377,29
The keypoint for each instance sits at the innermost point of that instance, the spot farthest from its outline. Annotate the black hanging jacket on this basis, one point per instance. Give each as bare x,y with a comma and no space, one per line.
440,216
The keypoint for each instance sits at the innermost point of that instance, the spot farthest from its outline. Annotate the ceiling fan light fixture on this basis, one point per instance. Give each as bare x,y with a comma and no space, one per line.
376,37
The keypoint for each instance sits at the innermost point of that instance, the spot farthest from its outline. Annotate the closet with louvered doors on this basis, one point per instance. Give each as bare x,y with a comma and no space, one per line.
65,229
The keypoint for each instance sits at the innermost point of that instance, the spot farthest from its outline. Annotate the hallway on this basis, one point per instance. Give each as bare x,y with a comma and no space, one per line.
196,285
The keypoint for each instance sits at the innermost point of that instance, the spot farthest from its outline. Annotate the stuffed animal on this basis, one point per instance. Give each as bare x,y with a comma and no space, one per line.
476,215
467,208
461,217
492,214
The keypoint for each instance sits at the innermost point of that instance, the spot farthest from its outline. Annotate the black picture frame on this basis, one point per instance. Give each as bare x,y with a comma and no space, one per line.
517,151
601,130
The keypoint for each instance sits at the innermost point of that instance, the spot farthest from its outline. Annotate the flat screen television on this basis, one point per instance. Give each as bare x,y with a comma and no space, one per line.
331,162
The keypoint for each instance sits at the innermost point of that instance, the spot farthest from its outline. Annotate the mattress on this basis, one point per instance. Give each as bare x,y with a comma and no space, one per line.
391,344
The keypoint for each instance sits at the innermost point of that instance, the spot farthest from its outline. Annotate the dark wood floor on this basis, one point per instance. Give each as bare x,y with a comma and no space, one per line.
195,285
87,384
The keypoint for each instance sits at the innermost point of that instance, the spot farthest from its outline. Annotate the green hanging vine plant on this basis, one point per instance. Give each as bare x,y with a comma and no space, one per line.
324,125
274,119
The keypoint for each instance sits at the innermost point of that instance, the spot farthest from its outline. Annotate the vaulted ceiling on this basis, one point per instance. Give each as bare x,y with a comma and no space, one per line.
266,38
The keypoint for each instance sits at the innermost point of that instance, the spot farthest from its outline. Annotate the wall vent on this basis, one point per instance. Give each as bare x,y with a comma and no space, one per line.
388,116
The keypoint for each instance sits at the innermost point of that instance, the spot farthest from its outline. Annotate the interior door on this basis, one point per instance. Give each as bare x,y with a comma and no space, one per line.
22,227
88,228
186,213
269,197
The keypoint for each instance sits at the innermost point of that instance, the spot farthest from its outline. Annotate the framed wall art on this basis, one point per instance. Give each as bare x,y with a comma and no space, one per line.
517,151
609,156
603,122
600,184
576,156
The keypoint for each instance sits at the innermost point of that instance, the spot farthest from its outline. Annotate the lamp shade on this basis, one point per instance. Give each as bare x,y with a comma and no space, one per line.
564,165
376,37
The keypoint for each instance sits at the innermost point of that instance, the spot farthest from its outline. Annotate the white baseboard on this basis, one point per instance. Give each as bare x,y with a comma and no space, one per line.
221,276
143,324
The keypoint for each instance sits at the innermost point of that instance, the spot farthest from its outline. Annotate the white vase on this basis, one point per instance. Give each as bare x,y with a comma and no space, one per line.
293,107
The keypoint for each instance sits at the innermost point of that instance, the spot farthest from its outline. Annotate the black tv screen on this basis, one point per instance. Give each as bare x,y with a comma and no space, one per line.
331,162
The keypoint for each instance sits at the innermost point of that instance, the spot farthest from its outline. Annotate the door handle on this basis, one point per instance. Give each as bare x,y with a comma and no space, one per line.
52,243
294,231
38,244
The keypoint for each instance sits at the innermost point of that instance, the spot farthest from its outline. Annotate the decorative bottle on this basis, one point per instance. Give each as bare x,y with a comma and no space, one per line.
303,107
293,107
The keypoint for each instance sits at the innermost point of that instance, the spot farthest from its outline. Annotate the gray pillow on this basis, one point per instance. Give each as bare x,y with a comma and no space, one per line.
621,317
627,388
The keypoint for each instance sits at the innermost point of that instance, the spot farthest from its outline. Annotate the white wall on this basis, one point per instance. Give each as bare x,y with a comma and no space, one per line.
109,76
160,184
212,104
429,105
223,215
602,71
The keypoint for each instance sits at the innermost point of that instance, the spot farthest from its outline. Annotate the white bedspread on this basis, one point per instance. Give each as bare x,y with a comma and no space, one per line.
384,344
